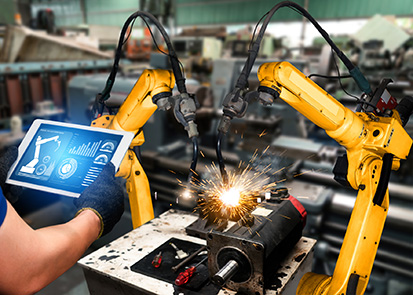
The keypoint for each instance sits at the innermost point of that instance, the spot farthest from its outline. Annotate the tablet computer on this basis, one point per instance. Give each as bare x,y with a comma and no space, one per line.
65,158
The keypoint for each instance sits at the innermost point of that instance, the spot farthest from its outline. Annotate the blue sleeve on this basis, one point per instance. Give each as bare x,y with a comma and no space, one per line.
3,207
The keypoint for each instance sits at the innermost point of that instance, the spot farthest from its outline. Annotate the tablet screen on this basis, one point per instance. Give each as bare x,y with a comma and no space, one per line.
65,158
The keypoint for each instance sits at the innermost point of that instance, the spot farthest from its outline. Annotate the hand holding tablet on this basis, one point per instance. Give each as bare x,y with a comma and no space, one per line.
66,158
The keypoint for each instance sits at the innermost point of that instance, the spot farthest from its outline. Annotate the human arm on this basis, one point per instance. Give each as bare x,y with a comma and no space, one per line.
31,259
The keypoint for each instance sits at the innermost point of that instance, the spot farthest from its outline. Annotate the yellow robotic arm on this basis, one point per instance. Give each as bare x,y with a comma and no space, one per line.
374,145
153,90
132,115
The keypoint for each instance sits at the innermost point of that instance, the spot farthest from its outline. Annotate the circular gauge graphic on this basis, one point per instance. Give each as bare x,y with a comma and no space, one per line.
67,168
40,169
108,147
101,159
46,159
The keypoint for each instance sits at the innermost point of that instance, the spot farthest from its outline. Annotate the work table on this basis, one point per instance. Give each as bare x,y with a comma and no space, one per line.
107,270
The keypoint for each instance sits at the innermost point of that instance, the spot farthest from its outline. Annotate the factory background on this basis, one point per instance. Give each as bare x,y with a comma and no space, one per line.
56,56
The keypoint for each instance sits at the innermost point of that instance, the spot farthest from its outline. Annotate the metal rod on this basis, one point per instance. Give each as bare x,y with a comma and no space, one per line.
226,272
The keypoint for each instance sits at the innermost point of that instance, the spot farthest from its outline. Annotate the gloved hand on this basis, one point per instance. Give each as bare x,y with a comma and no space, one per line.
11,192
104,197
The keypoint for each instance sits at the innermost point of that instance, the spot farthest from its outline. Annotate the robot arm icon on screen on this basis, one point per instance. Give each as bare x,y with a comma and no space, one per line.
30,167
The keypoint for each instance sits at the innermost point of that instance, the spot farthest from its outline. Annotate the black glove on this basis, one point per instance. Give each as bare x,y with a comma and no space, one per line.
11,192
104,197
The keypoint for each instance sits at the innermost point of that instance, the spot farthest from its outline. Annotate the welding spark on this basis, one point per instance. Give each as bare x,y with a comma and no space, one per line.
231,197
262,133
238,197
247,186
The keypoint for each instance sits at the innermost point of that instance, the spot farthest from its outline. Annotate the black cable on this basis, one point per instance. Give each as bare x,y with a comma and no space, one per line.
154,39
130,32
180,81
220,158
329,77
339,79
255,29
192,175
182,68
243,78
362,103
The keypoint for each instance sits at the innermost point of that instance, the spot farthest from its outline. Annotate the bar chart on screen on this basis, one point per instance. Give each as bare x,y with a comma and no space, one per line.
86,150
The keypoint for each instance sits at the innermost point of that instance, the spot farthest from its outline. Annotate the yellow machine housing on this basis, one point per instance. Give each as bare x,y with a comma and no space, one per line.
367,139
132,116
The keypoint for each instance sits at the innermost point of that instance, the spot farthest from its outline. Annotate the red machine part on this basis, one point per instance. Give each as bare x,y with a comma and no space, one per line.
300,208
386,101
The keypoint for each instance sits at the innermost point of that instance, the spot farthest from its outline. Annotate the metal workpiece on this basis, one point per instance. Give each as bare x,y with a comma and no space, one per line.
226,272
246,258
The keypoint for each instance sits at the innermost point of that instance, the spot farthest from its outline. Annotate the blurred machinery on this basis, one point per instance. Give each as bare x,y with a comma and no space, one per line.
198,55
205,47
39,89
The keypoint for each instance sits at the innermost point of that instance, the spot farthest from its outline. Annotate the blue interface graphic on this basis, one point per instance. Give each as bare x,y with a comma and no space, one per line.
65,158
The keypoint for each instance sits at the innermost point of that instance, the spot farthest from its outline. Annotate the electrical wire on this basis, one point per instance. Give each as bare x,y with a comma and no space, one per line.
130,32
154,39
180,81
253,53
192,177
163,52
221,163
339,78
329,77
255,30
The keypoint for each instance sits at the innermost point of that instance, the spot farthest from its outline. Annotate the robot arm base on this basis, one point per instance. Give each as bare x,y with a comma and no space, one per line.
314,283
